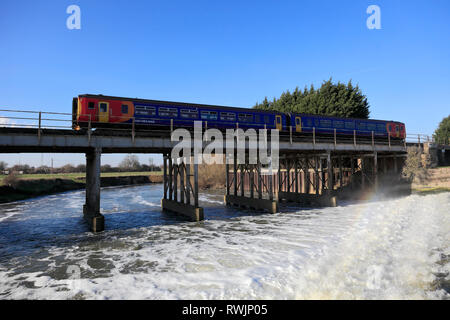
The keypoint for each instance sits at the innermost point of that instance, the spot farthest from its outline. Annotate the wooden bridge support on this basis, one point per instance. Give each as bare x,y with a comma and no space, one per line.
181,188
252,187
91,209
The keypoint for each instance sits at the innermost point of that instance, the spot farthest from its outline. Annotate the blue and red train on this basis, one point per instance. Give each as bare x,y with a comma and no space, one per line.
100,111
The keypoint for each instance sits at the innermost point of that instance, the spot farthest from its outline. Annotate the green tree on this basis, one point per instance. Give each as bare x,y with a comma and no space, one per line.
442,133
333,99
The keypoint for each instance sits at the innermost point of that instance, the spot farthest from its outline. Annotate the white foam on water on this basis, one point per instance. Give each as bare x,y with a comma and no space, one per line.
377,250
209,199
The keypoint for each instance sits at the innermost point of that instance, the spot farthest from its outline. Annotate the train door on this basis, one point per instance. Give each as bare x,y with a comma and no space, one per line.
298,124
278,123
103,111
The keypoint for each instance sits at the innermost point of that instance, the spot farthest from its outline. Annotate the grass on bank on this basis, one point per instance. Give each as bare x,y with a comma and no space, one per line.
430,190
79,176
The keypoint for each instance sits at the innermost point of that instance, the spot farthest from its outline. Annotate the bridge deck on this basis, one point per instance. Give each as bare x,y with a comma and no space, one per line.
23,140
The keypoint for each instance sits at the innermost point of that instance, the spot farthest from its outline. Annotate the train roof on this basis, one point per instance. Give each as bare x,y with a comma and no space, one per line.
185,104
340,118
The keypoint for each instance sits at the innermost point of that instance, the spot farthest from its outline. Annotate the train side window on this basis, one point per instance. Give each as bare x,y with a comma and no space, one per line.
297,121
208,115
245,117
227,116
278,119
362,126
325,123
143,110
189,113
349,125
124,109
371,127
168,112
91,105
338,124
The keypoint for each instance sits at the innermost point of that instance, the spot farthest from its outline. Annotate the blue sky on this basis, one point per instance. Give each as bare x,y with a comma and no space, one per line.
225,52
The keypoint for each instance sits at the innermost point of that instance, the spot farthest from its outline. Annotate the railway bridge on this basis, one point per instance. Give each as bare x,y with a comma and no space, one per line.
313,170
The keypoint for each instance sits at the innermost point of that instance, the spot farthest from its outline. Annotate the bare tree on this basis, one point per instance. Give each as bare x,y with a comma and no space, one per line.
130,163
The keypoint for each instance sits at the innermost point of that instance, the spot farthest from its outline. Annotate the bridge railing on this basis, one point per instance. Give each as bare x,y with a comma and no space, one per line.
417,138
35,119
58,120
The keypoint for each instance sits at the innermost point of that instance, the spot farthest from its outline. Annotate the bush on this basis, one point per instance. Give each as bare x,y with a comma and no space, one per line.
12,180
211,176
414,168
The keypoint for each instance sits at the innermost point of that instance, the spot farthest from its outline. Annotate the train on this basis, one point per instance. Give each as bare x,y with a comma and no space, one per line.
99,111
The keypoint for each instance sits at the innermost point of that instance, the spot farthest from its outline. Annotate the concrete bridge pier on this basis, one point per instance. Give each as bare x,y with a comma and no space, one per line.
181,188
91,209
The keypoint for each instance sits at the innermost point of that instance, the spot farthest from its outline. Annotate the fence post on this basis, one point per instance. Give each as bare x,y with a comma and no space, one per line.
39,129
89,129
132,130
335,138
290,134
314,135
389,138
373,140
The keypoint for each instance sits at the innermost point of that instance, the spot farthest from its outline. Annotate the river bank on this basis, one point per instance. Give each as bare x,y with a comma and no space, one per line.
436,180
30,188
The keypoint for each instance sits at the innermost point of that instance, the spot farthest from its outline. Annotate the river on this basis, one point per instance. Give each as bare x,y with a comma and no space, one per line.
381,249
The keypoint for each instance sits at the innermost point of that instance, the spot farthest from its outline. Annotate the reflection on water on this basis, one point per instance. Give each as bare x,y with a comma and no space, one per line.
376,250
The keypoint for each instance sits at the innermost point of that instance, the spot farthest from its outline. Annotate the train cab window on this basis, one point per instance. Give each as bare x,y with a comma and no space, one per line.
227,116
168,112
124,109
103,107
243,117
189,113
91,105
